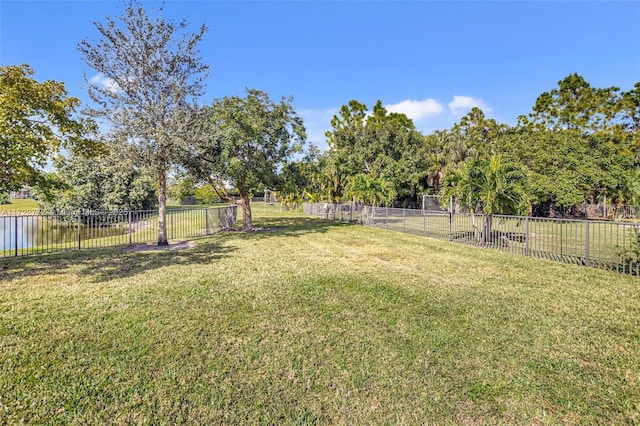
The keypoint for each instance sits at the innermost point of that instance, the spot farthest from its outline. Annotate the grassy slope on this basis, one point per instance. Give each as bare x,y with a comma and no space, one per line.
316,322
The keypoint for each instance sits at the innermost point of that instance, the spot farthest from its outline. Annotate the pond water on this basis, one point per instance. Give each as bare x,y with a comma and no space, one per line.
16,232
48,232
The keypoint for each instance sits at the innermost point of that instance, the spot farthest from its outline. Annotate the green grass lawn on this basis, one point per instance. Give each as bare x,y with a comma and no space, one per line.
314,322
17,204
608,242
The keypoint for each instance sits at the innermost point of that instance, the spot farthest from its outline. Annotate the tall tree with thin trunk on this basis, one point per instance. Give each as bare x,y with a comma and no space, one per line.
149,70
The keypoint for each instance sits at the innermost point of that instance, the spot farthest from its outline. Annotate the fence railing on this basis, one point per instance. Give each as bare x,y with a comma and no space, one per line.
601,244
47,233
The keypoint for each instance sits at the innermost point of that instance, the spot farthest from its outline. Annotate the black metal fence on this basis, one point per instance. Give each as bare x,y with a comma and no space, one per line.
28,234
607,245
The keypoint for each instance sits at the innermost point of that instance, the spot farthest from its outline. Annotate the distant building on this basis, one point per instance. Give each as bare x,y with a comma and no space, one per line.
24,193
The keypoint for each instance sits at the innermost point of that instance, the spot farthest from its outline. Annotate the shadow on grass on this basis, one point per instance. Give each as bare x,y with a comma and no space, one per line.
289,226
104,264
111,263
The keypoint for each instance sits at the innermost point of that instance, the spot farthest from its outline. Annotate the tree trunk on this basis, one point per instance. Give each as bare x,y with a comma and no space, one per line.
245,203
488,225
476,233
162,205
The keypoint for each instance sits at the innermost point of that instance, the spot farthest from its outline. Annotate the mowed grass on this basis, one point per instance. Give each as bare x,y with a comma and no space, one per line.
314,322
19,204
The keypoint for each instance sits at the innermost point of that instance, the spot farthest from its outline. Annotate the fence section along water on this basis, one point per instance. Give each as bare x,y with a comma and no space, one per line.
27,234
601,244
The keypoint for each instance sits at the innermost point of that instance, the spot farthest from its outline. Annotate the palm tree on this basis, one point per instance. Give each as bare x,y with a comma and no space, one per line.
487,184
370,191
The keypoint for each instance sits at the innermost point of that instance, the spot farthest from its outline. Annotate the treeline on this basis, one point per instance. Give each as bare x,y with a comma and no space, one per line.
578,144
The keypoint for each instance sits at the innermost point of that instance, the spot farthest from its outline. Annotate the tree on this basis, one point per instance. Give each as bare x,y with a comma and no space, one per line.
630,109
183,189
446,150
378,144
370,191
116,181
576,105
36,120
152,71
566,167
244,143
488,184
346,143
478,132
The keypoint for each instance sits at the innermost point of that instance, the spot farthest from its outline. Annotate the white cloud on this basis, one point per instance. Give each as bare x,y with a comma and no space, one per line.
105,82
462,104
416,110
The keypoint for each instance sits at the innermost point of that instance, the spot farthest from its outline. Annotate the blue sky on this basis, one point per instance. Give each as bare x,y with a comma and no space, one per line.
431,60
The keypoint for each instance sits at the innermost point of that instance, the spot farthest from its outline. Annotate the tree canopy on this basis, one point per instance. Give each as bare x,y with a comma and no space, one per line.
579,144
36,121
116,181
150,71
244,142
381,145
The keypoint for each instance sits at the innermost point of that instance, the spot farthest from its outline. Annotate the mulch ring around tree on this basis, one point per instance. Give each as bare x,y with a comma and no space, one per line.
254,229
185,245
178,245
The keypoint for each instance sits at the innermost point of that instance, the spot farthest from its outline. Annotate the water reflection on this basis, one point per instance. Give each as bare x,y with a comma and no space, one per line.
16,233
44,232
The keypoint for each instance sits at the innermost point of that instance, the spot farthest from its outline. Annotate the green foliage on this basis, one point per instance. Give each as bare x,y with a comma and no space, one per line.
380,145
243,143
579,144
206,195
37,120
630,109
475,132
151,70
577,105
4,198
112,182
371,191
298,179
183,189
489,184
566,167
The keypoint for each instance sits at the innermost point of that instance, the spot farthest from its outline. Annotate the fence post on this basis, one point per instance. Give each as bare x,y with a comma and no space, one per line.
450,225
404,222
171,216
79,235
526,236
587,260
206,221
130,225
387,218
424,221
15,232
